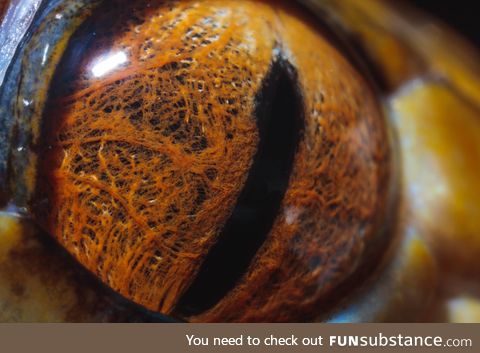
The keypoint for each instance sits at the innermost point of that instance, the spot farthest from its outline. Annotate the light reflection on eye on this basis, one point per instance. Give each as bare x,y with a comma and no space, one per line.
336,221
109,63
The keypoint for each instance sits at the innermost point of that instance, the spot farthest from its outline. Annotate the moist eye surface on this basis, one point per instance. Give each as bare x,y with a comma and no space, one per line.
200,156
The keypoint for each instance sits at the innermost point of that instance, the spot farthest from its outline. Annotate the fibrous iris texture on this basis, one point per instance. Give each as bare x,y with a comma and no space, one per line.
149,136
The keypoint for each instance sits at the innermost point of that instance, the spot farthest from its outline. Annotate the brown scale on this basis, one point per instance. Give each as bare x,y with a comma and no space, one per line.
142,167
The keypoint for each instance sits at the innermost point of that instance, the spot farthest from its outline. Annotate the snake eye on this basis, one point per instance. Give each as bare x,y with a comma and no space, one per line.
230,160
208,160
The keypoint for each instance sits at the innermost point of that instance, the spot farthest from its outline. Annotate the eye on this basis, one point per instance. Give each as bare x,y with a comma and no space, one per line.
210,161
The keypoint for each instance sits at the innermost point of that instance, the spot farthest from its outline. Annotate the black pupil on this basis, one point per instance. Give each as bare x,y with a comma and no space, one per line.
279,117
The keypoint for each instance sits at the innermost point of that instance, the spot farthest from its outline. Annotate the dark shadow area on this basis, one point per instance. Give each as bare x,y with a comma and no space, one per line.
459,15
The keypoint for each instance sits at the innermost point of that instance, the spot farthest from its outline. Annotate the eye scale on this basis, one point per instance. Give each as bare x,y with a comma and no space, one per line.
162,116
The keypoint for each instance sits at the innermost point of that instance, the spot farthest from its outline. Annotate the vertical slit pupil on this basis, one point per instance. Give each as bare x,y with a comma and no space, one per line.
279,117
